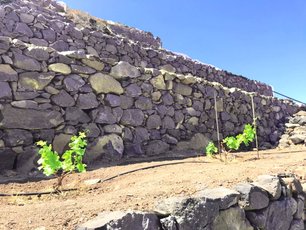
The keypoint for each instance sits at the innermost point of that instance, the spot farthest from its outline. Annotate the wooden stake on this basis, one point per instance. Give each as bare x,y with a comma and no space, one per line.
254,124
217,124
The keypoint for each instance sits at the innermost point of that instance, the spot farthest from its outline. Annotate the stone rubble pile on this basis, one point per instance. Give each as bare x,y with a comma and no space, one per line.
57,79
295,133
270,202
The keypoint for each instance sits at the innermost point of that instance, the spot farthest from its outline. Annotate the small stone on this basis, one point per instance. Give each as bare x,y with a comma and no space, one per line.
82,69
26,63
33,81
76,54
23,29
232,218
63,99
103,83
133,90
60,68
184,90
224,196
60,143
123,70
112,129
132,117
60,45
49,35
170,139
38,53
4,44
25,104
143,103
298,138
76,115
17,137
189,79
126,102
156,147
108,146
158,82
168,68
92,181
8,158
73,82
26,18
7,73
271,184
153,122
97,65
199,141
5,91
113,100
105,116
87,101
156,96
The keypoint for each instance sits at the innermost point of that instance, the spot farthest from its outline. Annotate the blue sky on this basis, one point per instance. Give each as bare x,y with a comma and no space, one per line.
264,40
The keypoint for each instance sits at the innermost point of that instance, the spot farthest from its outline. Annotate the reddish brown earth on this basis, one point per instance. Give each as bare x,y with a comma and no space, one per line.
138,190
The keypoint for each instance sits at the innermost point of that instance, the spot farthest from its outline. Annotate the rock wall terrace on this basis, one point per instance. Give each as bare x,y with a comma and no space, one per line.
46,27
57,79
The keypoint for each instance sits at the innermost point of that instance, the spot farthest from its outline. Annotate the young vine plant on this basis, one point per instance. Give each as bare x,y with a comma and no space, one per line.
233,143
71,160
211,149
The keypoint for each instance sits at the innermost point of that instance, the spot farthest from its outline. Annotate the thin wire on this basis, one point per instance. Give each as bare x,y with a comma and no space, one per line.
283,95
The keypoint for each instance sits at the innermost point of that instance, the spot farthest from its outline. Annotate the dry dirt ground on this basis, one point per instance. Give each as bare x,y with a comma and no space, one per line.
138,190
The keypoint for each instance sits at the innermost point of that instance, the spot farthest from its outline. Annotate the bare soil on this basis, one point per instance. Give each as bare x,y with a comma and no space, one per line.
138,190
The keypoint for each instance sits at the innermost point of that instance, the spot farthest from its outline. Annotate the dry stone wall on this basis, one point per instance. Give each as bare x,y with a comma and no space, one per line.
57,79
269,202
39,23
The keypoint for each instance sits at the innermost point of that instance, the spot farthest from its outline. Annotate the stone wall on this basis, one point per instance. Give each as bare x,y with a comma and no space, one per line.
45,26
57,79
269,202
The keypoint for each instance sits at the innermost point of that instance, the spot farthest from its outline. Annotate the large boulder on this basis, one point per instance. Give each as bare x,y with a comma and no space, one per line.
75,115
278,215
32,81
189,213
60,143
122,220
252,197
16,137
271,184
232,219
108,146
8,158
224,196
157,147
14,118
